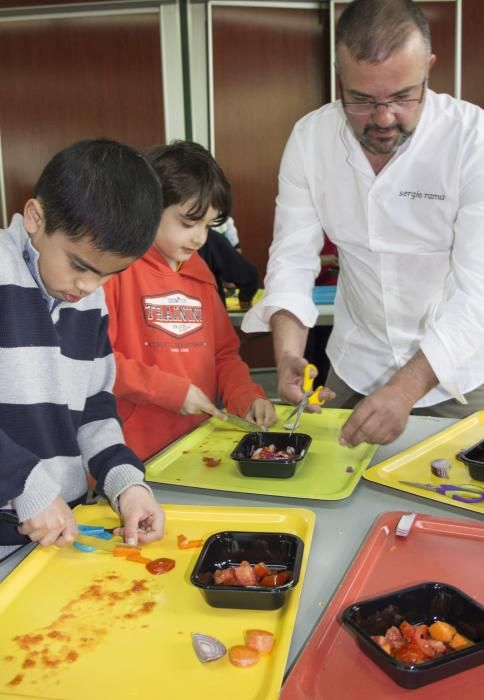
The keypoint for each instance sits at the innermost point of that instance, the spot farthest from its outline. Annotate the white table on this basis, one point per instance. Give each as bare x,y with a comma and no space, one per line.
325,316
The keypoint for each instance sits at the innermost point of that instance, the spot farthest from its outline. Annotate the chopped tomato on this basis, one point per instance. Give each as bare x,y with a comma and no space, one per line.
245,574
160,566
410,654
185,543
262,640
225,577
261,570
394,638
211,461
407,630
274,580
383,643
243,656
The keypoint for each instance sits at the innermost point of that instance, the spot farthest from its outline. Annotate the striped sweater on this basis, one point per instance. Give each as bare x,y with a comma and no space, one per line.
58,419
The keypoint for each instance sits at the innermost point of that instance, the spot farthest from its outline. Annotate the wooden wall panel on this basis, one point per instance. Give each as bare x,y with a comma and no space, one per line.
441,17
270,68
473,51
66,79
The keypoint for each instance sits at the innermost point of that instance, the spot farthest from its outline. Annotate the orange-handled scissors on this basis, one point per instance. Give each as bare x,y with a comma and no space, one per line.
311,397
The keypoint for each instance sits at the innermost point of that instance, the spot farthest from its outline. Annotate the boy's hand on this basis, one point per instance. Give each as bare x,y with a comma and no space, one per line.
54,525
197,402
144,518
262,412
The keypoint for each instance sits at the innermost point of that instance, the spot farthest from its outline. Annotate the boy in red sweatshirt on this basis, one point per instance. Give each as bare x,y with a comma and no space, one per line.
175,348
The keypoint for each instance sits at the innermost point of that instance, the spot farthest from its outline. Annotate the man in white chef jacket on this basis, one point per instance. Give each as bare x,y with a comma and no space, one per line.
394,175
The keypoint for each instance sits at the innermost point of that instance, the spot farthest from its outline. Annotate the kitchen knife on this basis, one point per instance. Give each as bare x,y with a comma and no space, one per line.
245,425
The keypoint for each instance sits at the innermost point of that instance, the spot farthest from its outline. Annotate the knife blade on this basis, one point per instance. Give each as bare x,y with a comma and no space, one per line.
244,424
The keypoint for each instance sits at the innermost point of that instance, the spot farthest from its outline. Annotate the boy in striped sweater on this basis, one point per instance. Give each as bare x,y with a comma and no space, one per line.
95,209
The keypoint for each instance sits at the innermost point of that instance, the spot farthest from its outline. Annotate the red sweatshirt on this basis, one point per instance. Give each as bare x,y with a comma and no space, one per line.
169,330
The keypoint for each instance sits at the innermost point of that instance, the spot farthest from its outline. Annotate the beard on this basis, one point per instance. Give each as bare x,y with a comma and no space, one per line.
379,147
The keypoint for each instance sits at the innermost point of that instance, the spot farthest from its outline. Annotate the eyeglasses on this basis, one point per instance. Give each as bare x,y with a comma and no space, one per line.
393,106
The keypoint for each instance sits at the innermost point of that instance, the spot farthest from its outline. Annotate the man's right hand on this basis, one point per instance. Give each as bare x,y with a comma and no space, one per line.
54,525
197,402
290,381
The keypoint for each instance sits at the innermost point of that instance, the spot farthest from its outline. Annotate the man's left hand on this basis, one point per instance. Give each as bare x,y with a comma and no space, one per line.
379,418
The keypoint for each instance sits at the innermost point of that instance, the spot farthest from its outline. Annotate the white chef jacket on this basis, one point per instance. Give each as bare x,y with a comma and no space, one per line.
410,243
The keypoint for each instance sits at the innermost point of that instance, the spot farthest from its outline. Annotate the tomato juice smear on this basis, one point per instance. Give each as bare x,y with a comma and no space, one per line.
76,629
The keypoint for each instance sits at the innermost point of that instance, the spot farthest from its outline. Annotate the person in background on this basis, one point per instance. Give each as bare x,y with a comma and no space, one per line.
229,231
394,175
315,351
328,257
176,351
94,210
230,267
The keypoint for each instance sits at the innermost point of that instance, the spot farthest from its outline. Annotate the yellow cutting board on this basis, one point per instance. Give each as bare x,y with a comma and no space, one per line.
232,302
329,471
80,625
413,464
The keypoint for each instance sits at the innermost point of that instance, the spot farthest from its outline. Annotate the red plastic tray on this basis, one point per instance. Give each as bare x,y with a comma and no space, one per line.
437,549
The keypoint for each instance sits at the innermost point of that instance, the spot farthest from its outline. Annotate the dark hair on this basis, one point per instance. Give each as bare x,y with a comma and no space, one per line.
105,191
373,29
187,171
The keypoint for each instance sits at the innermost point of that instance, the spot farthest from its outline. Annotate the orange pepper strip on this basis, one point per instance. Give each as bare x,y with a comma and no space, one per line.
185,543
125,550
138,558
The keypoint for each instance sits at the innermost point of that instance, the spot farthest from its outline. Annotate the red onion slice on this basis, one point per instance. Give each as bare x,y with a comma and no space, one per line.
207,648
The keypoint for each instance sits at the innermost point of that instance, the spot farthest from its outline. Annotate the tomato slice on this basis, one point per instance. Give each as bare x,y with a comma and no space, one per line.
262,640
274,580
243,656
160,566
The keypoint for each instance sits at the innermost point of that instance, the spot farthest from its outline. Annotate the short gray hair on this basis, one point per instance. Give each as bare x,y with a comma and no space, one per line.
373,29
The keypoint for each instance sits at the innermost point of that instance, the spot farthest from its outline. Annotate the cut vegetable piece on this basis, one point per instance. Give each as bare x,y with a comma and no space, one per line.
185,543
125,550
442,631
207,648
262,640
160,566
243,656
275,580
138,558
458,642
